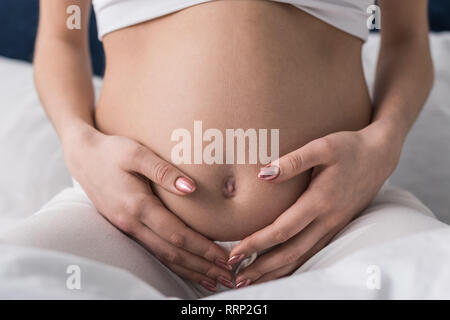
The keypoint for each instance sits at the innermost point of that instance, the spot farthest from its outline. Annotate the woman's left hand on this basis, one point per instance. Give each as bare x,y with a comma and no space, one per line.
348,169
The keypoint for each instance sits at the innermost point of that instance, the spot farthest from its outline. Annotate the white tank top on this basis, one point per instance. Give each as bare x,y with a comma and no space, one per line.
347,15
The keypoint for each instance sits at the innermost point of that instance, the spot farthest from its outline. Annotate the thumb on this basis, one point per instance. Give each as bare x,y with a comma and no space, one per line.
161,172
314,153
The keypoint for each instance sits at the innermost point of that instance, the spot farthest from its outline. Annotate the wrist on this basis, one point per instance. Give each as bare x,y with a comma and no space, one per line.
76,136
386,139
386,131
74,130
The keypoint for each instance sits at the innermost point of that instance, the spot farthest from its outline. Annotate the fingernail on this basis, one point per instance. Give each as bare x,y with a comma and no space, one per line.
235,259
225,282
243,283
208,285
221,263
184,185
269,173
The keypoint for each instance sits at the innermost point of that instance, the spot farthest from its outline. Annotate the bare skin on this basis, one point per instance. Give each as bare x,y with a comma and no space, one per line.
189,64
315,94
349,167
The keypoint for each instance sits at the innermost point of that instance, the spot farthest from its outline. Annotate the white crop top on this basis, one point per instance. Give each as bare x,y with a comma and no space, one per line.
347,15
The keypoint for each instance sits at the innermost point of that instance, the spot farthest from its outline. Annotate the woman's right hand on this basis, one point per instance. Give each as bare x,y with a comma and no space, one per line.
115,171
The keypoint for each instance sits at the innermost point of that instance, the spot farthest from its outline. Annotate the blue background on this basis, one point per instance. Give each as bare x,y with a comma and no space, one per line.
18,22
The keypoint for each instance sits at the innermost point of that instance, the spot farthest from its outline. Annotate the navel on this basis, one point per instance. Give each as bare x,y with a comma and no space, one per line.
229,187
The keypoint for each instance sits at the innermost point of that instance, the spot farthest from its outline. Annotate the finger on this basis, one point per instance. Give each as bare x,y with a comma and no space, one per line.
289,269
161,172
278,273
290,223
193,276
288,253
198,277
314,153
156,217
174,255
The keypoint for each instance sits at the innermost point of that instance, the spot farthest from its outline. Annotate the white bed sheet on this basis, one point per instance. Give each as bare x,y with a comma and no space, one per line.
414,267
32,171
32,168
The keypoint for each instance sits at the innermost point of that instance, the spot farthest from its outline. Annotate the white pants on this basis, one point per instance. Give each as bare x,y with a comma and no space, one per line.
70,223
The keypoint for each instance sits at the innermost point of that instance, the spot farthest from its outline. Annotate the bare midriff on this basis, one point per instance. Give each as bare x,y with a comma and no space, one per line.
232,64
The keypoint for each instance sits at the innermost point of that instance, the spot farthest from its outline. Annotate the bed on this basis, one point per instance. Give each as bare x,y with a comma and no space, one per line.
32,170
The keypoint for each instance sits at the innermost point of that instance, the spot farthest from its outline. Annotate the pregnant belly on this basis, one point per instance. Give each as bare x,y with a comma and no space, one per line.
248,65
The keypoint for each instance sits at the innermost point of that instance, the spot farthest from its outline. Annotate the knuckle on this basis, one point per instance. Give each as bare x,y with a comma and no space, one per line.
138,152
210,252
124,153
125,223
211,273
161,171
326,147
290,257
281,235
134,205
124,160
294,161
177,239
171,256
